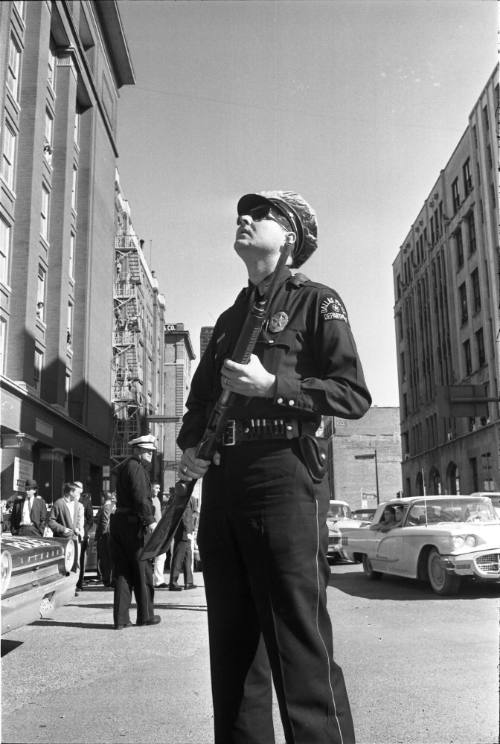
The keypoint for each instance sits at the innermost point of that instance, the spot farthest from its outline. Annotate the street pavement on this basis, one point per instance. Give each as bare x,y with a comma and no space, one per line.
420,669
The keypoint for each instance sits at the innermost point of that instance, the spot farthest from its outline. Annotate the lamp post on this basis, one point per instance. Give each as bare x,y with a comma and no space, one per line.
372,456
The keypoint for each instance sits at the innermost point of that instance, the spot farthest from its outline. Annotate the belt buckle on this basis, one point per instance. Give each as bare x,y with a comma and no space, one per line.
229,436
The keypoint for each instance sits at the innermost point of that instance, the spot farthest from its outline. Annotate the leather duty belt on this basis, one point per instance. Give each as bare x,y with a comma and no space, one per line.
238,431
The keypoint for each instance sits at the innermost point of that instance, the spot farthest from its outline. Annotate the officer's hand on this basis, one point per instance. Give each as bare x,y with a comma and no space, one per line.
251,379
192,466
150,527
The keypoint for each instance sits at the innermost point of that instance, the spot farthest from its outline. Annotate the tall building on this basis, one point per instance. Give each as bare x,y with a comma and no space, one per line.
205,336
179,355
446,283
364,457
138,347
61,67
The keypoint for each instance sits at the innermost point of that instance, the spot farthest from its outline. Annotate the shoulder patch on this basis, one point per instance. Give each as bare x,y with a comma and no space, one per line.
332,308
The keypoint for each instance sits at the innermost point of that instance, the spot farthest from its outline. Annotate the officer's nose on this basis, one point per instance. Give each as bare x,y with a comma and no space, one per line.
243,219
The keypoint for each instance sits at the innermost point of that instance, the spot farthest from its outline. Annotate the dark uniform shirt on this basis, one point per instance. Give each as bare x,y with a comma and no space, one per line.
133,489
307,343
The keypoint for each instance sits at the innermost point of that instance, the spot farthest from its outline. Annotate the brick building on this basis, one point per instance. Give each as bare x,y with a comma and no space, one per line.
177,379
446,283
61,67
364,457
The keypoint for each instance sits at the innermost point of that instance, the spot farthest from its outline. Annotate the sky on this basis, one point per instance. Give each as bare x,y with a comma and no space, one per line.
357,105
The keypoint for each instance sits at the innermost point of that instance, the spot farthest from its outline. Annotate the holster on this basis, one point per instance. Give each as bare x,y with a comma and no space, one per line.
313,457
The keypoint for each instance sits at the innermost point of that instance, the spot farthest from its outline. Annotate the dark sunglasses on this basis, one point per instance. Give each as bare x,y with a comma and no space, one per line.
266,212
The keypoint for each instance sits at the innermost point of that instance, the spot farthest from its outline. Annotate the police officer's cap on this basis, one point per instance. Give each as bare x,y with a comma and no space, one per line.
147,442
299,214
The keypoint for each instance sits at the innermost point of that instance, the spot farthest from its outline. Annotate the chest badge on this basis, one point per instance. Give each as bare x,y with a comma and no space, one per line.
278,322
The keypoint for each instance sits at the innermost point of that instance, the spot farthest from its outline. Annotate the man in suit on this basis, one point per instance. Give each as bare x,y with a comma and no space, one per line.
29,513
66,519
88,522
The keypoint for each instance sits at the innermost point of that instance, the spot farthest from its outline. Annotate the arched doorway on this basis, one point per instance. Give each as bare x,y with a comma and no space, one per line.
419,484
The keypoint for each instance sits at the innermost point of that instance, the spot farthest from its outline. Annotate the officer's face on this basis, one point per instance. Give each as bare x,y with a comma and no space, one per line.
262,236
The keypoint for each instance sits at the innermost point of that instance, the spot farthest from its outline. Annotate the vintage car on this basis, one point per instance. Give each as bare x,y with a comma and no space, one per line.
363,515
439,539
36,578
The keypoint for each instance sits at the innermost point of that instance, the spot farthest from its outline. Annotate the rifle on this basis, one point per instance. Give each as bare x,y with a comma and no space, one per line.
164,531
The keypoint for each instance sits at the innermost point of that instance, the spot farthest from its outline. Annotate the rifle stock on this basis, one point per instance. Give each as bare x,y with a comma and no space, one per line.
162,535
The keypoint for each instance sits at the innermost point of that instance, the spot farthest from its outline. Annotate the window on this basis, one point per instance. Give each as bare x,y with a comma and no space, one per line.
3,341
481,354
467,358
490,157
48,134
474,133
460,248
73,188
8,156
69,332
464,313
38,367
467,177
13,68
19,5
44,214
455,196
71,268
485,118
51,69
476,292
5,237
76,131
471,224
40,294
67,387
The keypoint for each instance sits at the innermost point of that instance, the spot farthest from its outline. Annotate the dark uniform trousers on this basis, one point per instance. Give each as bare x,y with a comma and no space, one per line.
263,541
130,573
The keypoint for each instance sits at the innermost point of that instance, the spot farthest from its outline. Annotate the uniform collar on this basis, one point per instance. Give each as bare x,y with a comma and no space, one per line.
263,286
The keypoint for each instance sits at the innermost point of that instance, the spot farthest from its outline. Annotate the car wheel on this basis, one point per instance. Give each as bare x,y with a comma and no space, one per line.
368,569
441,581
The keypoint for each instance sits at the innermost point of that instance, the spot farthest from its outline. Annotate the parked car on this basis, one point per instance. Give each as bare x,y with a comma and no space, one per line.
440,539
36,578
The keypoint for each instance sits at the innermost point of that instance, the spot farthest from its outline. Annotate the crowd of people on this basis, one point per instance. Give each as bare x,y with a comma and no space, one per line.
74,516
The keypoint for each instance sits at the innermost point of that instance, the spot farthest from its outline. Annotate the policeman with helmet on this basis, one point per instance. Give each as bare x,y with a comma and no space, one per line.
262,533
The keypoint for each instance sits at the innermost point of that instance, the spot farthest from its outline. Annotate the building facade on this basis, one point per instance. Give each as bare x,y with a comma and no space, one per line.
61,67
179,356
137,383
446,283
364,457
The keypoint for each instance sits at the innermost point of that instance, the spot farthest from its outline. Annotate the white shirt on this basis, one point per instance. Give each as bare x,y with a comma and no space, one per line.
26,516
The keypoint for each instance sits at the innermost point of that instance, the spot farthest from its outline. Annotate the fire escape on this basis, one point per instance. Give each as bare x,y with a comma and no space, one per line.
127,373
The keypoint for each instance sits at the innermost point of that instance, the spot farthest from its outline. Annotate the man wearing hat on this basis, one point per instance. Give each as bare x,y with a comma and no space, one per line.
132,521
29,514
262,533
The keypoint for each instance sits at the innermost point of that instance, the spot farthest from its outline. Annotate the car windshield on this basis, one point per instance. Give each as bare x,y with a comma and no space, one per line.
451,510
339,511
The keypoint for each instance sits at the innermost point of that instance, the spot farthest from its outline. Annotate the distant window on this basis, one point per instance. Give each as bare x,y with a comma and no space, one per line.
41,293
5,238
467,177
490,156
76,131
485,118
455,194
13,68
8,156
71,267
73,187
481,354
476,292
464,313
3,341
51,68
69,334
44,214
38,367
471,224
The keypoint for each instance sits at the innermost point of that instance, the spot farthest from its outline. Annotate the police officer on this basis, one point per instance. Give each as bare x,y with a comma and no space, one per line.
132,521
262,534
